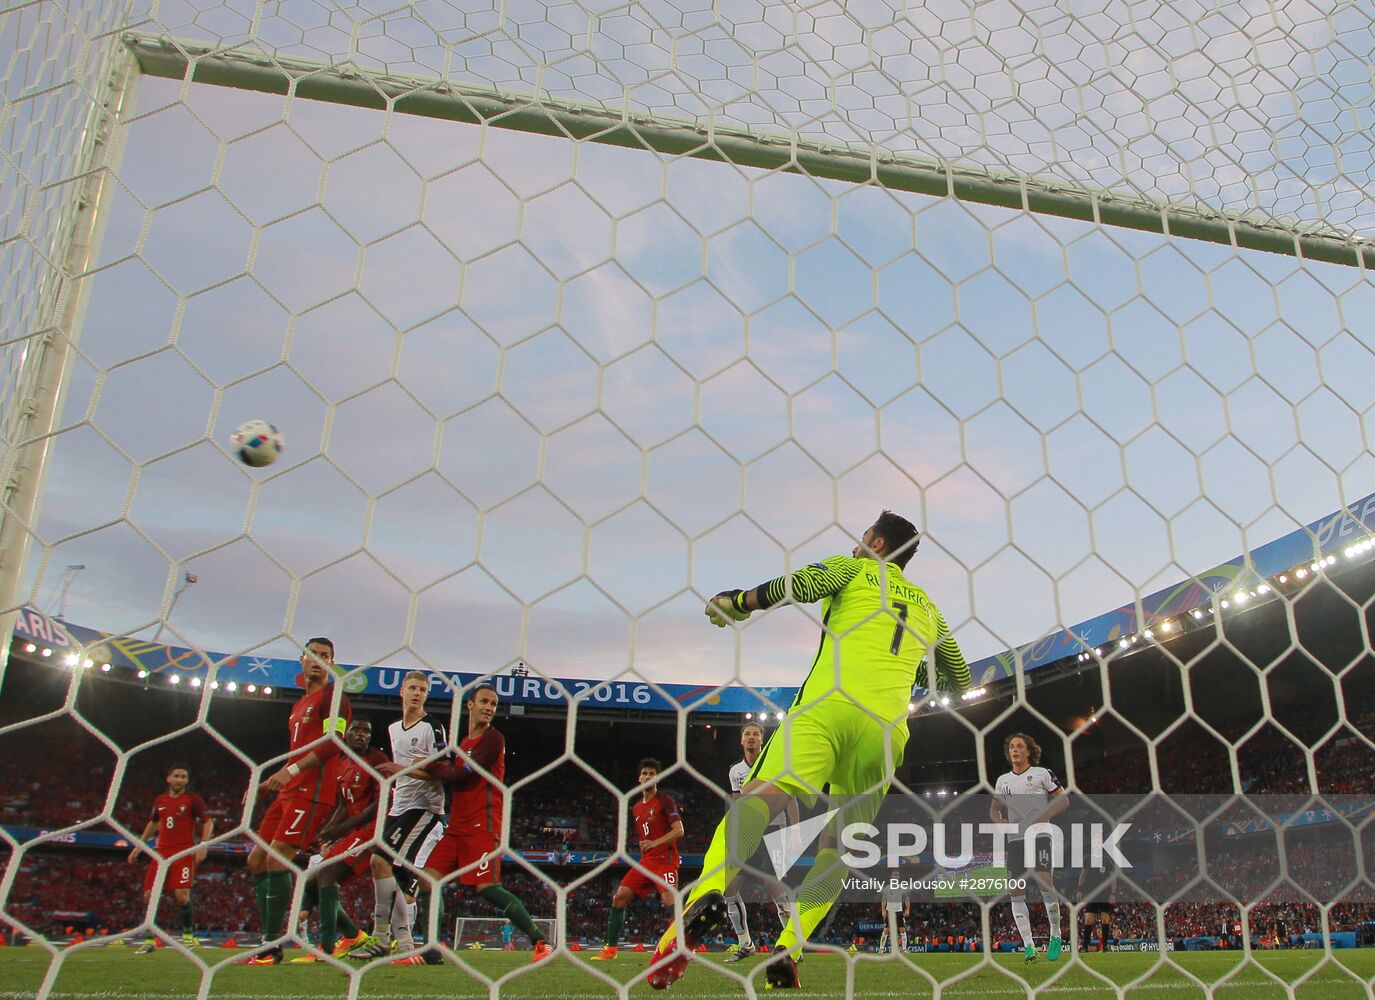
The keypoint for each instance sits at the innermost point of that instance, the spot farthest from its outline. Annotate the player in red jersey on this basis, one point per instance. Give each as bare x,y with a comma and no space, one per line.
659,828
180,822
306,792
471,844
346,842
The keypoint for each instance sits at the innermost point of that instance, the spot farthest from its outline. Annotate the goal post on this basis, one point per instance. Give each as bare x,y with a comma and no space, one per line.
857,163
490,933
37,343
574,315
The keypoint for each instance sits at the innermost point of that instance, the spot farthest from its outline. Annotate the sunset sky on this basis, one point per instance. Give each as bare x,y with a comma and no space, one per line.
541,398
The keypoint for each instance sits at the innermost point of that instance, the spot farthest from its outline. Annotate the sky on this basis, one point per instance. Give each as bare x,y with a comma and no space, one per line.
541,398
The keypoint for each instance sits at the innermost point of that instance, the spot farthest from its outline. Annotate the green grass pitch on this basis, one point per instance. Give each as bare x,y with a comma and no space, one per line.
117,974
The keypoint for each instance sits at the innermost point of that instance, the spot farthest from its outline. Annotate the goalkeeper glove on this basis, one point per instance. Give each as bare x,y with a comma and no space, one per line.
726,607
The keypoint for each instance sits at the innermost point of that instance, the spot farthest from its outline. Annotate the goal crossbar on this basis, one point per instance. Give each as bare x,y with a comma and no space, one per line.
255,70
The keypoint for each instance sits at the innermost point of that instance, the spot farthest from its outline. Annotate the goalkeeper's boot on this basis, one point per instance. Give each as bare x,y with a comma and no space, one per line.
781,972
345,945
374,947
1053,949
147,948
1030,956
189,941
607,954
700,920
739,952
542,951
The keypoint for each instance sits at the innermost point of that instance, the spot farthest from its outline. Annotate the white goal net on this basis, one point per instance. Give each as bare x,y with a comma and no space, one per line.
477,933
575,314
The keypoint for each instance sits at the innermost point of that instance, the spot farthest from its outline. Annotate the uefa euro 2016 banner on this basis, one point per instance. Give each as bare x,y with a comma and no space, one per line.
63,640
1321,538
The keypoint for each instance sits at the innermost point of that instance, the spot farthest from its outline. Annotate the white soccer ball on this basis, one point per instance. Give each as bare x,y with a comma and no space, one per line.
257,443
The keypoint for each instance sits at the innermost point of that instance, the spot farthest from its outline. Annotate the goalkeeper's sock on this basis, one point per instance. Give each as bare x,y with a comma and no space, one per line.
815,897
384,893
735,839
513,910
329,918
278,902
614,922
188,920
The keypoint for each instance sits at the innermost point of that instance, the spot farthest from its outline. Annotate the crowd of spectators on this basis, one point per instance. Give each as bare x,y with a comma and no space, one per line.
72,781
1268,763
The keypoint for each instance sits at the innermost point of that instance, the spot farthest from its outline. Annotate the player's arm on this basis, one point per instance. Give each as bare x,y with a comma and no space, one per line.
997,812
1057,803
334,728
207,828
149,829
335,827
952,670
468,772
807,585
675,834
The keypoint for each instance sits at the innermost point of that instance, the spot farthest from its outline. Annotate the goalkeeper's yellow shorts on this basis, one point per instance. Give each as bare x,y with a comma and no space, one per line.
831,742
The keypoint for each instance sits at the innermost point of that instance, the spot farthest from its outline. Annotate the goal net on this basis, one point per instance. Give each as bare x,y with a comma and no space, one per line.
475,933
574,315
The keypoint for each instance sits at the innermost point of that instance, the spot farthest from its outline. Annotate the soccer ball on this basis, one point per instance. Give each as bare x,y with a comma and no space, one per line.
256,443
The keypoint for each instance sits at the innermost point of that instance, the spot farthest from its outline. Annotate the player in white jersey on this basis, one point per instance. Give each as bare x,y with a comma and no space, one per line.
899,904
751,742
1024,796
415,821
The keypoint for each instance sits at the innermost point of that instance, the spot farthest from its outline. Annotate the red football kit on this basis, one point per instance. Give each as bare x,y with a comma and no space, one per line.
178,817
360,791
652,820
473,836
307,800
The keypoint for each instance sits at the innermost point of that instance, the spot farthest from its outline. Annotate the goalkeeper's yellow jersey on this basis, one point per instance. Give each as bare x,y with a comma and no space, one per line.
880,632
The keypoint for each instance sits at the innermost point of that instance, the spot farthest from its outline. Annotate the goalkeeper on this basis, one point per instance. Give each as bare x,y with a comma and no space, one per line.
847,727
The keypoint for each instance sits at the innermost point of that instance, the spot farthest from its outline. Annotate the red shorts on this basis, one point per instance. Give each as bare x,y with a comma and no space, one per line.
293,821
481,850
644,886
180,874
353,850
